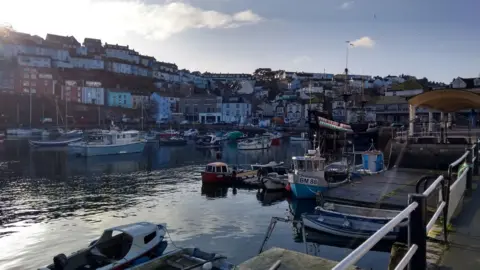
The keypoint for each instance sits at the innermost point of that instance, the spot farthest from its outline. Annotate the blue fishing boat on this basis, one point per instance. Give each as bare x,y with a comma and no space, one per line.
308,177
110,143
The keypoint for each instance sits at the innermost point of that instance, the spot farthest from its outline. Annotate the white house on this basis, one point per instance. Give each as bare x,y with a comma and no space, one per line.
165,106
403,93
87,62
294,112
235,109
122,52
465,83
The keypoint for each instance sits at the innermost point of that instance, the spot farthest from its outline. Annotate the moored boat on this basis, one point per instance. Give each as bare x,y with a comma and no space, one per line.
111,143
190,133
308,177
274,137
351,221
256,143
168,133
187,258
208,141
52,143
117,248
273,175
221,173
173,141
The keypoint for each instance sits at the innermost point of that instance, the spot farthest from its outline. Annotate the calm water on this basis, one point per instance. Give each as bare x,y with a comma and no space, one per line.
53,203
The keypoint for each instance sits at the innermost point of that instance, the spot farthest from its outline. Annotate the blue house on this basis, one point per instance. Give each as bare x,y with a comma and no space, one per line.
164,107
119,99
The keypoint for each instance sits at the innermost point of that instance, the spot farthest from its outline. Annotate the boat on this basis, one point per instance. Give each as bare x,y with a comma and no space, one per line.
173,141
168,133
64,141
308,176
273,175
274,137
54,132
256,143
73,133
117,248
187,258
208,141
20,132
303,138
190,133
221,173
150,137
111,143
352,221
235,135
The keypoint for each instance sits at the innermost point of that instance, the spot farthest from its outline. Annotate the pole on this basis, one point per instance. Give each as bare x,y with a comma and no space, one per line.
346,60
470,168
417,232
66,110
142,113
30,108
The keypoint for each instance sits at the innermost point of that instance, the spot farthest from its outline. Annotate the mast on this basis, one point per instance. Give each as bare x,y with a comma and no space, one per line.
30,108
66,110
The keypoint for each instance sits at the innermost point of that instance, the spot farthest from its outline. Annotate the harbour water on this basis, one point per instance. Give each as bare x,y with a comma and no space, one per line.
51,203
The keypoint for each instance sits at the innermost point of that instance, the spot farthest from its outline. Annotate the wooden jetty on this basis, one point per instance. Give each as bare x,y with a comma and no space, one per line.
289,260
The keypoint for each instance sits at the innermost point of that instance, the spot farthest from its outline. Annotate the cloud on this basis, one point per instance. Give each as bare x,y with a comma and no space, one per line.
365,42
302,60
347,5
113,18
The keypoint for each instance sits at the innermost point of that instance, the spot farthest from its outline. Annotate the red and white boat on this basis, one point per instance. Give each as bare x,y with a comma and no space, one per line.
220,173
169,133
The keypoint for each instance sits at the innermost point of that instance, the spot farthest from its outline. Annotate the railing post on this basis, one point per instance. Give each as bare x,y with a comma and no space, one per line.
446,198
417,232
475,164
470,170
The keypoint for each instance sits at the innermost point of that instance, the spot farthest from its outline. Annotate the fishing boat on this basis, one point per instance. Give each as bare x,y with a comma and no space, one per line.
173,141
308,177
190,133
60,142
109,143
208,141
273,175
221,173
256,143
352,221
168,133
302,138
117,248
187,258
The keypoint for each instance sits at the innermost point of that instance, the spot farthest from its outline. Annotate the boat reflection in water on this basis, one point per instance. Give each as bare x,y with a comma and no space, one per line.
212,191
315,239
269,197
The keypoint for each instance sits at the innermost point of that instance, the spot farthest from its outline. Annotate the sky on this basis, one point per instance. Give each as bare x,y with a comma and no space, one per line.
437,39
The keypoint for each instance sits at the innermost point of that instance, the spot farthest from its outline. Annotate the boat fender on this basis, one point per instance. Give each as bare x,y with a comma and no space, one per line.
60,261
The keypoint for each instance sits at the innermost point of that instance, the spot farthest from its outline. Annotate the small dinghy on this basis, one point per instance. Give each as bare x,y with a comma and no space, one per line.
187,258
57,142
273,175
351,221
118,248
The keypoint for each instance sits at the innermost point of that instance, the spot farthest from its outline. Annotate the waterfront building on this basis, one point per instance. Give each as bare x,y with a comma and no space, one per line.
165,107
138,100
193,105
93,45
294,112
235,110
66,42
34,60
87,62
122,53
72,91
35,80
117,98
93,95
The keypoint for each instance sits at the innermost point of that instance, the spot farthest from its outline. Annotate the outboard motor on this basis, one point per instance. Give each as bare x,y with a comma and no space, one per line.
60,261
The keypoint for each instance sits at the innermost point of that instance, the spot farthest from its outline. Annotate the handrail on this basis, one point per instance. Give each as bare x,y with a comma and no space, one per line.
361,250
460,159
436,215
433,186
406,259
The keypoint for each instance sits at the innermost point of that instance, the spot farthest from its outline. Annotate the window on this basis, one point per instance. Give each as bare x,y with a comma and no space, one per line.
26,76
26,83
149,237
219,169
33,76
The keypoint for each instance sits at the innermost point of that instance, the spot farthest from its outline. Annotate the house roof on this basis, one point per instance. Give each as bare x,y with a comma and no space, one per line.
71,40
387,100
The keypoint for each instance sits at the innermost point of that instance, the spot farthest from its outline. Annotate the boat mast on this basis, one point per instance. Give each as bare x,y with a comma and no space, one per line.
66,109
346,94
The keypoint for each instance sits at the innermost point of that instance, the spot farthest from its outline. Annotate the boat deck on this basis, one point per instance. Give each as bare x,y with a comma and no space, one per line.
389,189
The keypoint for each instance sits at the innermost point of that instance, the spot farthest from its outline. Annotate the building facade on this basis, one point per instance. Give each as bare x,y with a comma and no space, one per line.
93,95
235,110
193,105
119,99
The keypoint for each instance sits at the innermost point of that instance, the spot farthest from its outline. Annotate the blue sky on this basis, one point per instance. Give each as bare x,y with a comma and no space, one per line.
438,39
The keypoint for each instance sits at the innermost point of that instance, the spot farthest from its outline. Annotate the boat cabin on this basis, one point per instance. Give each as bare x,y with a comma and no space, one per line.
311,162
124,137
217,167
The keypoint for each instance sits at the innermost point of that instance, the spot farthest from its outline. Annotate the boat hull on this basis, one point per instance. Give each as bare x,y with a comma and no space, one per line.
55,143
274,184
102,150
215,178
302,191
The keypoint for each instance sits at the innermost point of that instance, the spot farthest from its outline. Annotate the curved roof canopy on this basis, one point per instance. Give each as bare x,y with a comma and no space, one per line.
447,100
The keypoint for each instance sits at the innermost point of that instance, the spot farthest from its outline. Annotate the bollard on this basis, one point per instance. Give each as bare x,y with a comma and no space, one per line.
417,232
470,171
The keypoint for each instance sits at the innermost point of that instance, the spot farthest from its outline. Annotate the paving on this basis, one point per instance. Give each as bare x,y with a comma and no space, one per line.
464,249
388,189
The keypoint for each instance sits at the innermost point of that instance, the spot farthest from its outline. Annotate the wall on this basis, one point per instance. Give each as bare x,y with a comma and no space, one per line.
87,63
34,61
458,83
123,54
236,112
121,68
120,99
29,79
93,95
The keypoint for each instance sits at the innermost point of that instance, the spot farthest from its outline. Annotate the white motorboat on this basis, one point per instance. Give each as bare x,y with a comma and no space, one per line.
111,143
256,143
208,141
351,221
273,175
117,248
190,133
20,132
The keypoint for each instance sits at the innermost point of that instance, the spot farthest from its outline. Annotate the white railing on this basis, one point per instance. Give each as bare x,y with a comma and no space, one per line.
360,251
457,190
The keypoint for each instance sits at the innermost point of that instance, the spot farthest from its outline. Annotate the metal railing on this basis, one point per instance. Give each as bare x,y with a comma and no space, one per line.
418,227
